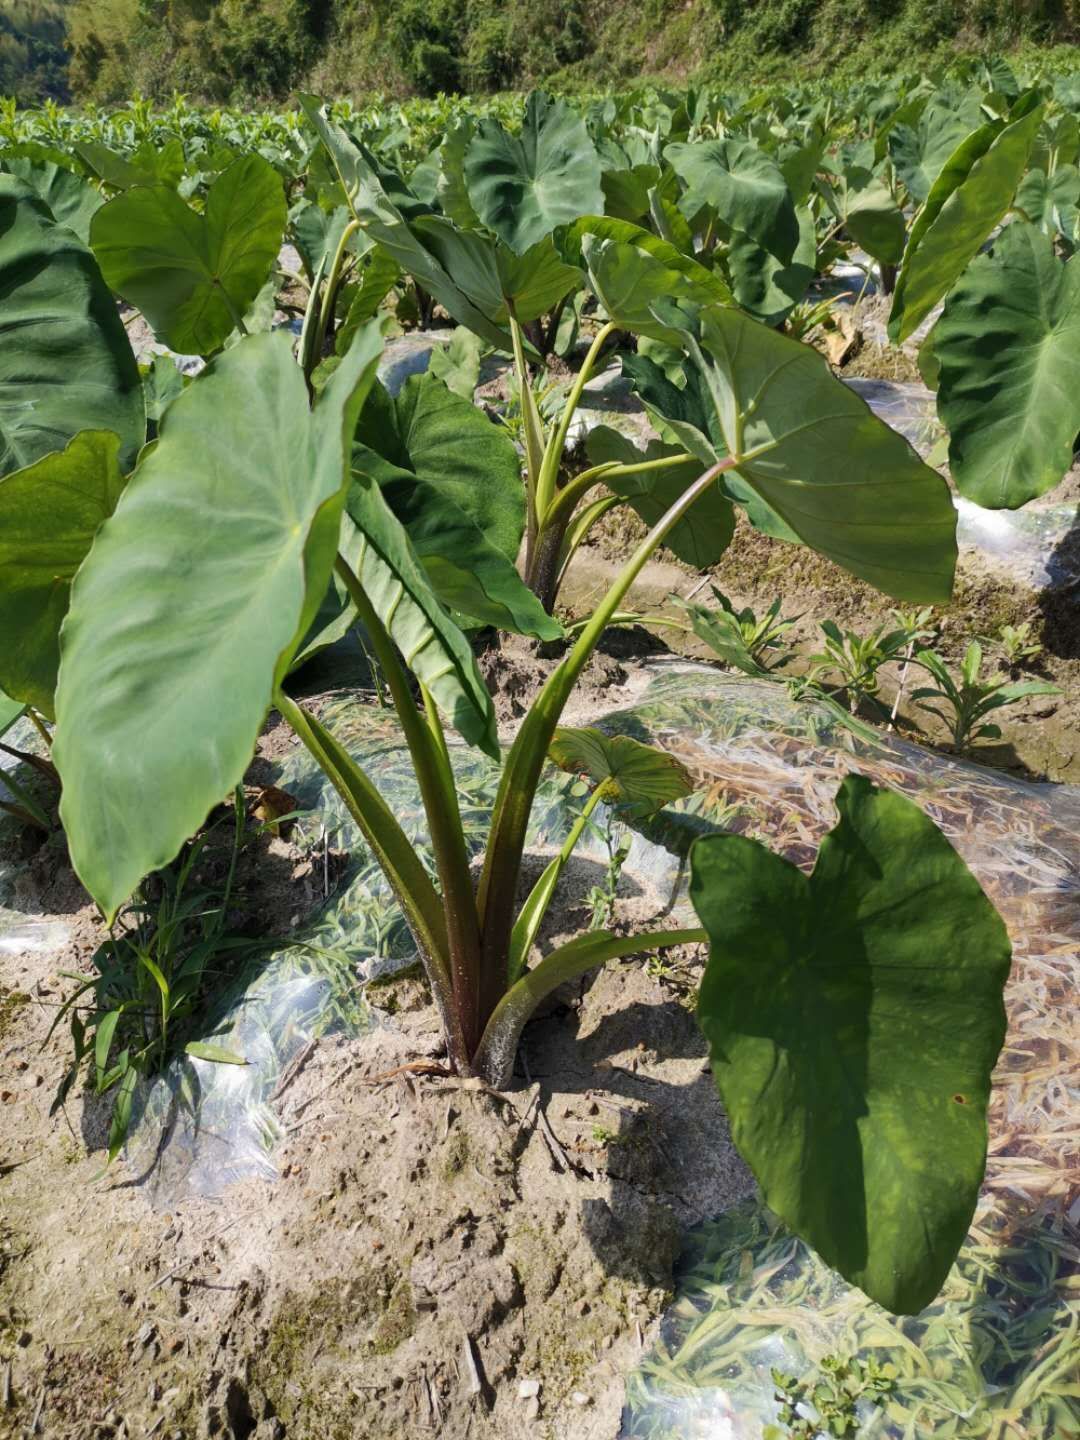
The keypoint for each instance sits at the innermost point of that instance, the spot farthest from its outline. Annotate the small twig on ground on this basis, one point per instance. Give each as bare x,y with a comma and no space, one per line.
33,1430
5,1388
293,1070
171,1274
900,690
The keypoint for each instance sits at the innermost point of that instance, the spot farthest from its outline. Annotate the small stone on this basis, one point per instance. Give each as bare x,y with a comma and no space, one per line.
580,1398
532,1409
145,1334
24,1339
528,1389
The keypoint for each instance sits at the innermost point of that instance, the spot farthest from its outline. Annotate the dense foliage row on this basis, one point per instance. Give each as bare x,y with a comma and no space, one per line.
172,551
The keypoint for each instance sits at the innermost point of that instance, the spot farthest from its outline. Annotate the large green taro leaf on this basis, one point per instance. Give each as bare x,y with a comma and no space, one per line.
193,276
374,209
704,533
766,288
65,361
744,186
969,197
872,217
454,481
813,451
1008,351
196,594
71,200
854,1017
49,515
429,432
921,149
523,186
493,277
631,269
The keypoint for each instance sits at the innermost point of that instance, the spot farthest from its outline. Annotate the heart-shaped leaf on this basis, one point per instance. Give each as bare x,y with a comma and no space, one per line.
637,778
49,515
766,288
968,199
231,521
193,276
523,186
1008,351
813,451
854,1017
65,361
744,186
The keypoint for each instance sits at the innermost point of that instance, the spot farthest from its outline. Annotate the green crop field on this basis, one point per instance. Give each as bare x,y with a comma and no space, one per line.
471,395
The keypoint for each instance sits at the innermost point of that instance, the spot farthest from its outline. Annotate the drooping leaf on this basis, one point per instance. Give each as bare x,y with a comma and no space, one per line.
193,276
1008,351
969,197
384,222
853,1019
375,276
639,779
873,219
451,190
523,186
812,450
744,186
49,515
704,533
65,361
493,277
162,383
217,1054
231,522
470,575
71,201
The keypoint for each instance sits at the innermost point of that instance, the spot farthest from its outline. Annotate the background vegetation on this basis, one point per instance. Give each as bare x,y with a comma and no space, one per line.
237,50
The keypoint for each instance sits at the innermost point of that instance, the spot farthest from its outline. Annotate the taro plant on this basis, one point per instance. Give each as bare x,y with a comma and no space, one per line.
853,1015
962,702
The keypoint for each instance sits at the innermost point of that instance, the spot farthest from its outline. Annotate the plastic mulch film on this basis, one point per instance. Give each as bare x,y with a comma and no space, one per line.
19,931
1036,545
202,1125
998,1353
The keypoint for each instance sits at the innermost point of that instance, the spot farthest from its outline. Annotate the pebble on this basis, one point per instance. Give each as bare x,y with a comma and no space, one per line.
528,1389
580,1398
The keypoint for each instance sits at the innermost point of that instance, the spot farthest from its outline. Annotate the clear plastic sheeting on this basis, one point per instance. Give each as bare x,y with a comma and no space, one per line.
998,1354
1037,546
21,932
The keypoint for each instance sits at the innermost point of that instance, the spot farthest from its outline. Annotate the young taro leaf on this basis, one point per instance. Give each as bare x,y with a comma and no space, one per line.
969,197
1008,351
1051,201
156,722
49,514
631,269
523,186
881,513
744,186
457,364
637,778
853,1019
65,361
193,276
